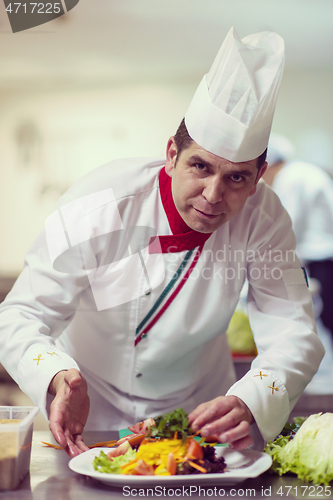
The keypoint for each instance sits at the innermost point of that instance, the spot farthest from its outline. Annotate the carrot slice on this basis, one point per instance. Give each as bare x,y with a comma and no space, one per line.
107,444
52,445
195,434
129,463
196,466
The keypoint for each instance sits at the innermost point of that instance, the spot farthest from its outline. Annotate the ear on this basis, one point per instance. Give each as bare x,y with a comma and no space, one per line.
171,156
259,175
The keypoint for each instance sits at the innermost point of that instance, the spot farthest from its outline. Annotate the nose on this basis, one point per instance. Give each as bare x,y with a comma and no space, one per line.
213,190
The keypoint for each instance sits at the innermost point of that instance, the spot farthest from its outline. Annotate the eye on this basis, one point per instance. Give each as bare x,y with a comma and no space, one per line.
201,167
237,178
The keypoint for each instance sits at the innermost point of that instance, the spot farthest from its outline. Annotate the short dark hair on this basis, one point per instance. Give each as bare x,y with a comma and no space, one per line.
261,159
182,138
183,141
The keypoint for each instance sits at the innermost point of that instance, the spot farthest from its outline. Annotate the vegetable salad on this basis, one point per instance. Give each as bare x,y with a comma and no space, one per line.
166,447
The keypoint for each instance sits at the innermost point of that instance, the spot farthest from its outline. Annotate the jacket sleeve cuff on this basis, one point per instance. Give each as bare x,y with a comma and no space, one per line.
266,398
38,366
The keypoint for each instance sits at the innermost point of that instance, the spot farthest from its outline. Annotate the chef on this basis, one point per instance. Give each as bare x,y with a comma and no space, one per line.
125,298
306,192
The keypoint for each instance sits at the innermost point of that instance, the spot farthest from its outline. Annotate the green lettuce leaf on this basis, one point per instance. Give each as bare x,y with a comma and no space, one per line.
309,454
103,464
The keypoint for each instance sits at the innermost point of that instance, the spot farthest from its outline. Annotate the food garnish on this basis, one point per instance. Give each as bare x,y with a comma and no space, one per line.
170,423
166,449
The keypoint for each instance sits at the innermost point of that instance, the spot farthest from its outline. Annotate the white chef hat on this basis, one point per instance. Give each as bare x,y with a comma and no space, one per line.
232,110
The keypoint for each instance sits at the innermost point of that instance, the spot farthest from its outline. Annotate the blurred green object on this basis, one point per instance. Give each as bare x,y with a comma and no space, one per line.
240,336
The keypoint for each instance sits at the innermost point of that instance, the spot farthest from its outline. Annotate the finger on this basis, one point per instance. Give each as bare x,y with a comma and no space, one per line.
78,441
56,422
72,450
241,444
222,424
209,416
195,413
230,426
229,416
71,447
240,431
58,433
73,378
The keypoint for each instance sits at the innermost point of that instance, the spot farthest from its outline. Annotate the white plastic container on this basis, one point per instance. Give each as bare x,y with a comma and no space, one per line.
15,444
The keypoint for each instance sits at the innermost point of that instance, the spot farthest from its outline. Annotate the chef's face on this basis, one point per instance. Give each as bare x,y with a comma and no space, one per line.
207,189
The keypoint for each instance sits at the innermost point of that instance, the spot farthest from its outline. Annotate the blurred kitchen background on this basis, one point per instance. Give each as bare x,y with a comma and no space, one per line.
113,78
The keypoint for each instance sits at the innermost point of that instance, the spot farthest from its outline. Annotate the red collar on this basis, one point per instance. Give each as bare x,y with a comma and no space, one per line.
183,237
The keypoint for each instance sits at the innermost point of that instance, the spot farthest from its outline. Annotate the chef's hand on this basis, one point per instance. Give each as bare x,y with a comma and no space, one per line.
69,410
227,418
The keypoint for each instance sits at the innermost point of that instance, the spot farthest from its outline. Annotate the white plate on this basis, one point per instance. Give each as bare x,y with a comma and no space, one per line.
240,466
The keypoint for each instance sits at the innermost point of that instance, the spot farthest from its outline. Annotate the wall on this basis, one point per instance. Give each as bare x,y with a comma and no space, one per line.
50,138
304,114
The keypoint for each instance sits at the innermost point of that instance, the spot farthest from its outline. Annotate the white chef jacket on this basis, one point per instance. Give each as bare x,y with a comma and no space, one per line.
81,296
306,192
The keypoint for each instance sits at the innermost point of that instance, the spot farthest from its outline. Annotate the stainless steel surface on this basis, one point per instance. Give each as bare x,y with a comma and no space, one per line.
50,478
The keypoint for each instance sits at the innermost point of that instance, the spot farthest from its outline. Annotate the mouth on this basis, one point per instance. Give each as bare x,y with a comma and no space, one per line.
205,215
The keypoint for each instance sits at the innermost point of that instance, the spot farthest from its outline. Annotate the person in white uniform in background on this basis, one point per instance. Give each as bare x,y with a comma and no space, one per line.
306,192
129,290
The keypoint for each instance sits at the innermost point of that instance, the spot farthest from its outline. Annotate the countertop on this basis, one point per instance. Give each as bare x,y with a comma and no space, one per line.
51,479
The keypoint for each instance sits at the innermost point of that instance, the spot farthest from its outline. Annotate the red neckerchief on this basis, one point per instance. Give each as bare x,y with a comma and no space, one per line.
183,237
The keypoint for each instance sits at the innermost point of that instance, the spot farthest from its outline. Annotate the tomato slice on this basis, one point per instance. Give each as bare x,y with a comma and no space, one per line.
143,469
120,450
194,451
132,439
142,427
